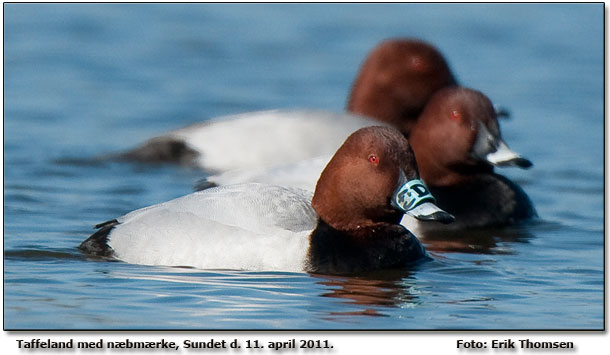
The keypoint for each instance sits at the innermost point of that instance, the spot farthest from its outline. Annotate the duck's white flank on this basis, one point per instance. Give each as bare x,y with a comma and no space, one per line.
268,138
248,226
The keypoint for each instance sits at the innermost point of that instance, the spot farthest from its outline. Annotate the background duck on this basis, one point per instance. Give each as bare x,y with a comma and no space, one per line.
392,87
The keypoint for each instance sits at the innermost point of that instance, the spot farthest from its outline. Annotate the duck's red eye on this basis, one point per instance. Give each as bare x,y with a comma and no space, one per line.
373,159
456,115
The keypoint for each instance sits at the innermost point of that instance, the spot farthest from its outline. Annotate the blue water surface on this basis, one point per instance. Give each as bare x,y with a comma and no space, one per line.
83,80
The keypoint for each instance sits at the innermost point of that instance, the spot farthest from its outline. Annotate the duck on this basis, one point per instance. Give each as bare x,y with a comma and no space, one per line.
392,87
457,143
350,224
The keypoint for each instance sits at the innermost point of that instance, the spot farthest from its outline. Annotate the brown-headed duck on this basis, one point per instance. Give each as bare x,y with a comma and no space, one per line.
350,225
457,143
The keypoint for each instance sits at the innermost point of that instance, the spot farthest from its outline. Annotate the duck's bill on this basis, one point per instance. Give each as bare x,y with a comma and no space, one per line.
502,112
428,211
503,156
414,199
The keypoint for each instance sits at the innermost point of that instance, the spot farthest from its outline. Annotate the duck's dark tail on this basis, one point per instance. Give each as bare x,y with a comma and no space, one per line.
97,243
160,150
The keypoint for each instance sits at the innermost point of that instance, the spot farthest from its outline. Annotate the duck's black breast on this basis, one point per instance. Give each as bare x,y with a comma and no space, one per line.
485,200
339,252
97,243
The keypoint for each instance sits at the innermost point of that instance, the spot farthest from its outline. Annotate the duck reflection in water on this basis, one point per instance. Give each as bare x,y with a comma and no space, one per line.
478,240
370,292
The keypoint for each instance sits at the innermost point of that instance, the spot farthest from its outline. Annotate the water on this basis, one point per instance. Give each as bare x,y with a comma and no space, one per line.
84,80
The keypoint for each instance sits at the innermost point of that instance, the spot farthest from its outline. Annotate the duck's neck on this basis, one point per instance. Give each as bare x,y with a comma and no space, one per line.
332,251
